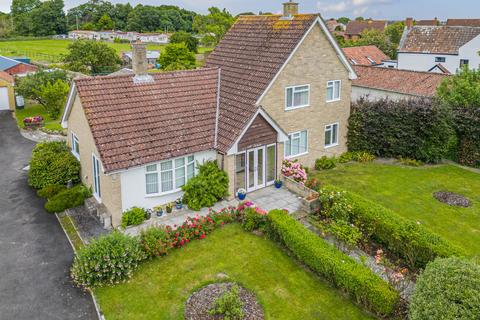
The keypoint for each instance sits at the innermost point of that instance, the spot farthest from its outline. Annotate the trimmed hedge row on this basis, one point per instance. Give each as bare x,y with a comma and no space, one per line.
358,281
412,242
415,128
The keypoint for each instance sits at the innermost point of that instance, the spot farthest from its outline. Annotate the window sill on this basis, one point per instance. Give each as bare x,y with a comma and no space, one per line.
156,195
294,108
76,155
296,156
335,100
331,146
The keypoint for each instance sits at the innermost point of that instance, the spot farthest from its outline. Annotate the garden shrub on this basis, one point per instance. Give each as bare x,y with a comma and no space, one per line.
294,170
52,163
345,157
325,163
229,305
68,198
357,280
156,241
363,156
408,240
253,219
133,216
206,188
448,289
415,128
410,162
107,260
345,232
50,191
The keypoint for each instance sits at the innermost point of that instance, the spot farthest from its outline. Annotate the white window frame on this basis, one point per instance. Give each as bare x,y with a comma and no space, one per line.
334,144
331,83
75,143
440,59
293,96
299,137
174,177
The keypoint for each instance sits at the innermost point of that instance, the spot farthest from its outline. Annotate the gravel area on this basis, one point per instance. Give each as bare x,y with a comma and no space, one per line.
198,305
87,225
452,199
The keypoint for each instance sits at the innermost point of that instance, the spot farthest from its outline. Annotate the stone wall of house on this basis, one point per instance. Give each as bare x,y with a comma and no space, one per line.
110,186
315,62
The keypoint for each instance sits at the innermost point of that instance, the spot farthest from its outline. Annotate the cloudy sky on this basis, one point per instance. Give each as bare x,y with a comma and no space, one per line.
390,9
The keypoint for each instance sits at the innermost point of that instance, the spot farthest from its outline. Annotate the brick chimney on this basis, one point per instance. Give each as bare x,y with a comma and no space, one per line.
139,63
409,23
289,9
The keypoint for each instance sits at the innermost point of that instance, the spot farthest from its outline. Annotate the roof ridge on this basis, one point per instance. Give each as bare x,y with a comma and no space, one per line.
401,70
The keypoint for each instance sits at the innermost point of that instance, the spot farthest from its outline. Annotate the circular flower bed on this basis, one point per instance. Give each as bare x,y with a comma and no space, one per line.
452,199
200,303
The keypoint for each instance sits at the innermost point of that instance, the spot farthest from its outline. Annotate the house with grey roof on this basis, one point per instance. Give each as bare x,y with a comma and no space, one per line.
439,48
276,87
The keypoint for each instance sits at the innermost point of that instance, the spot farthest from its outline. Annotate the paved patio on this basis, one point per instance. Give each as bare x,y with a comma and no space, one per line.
268,199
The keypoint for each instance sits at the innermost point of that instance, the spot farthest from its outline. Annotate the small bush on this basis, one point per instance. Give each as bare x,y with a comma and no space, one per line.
448,289
325,163
205,189
133,217
229,305
50,191
358,281
346,157
363,156
52,163
410,162
313,184
68,198
156,241
108,260
410,241
253,219
346,233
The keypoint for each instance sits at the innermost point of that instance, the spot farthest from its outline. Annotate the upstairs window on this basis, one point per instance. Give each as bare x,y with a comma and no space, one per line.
169,176
297,97
333,90
75,146
440,59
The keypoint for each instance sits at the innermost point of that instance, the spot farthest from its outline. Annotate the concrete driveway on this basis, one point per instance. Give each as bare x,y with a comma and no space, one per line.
35,255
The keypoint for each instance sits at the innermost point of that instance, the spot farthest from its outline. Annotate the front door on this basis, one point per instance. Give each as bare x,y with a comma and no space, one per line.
255,169
96,177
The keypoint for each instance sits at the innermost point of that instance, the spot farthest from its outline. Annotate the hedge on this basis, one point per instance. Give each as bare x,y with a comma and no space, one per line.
410,241
68,198
467,125
415,128
357,280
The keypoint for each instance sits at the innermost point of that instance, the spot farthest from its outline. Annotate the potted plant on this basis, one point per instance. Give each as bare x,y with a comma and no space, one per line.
169,207
241,194
179,203
158,210
278,183
148,214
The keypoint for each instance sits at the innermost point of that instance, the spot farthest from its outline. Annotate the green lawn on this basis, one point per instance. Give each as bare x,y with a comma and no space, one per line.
50,50
409,191
160,287
37,110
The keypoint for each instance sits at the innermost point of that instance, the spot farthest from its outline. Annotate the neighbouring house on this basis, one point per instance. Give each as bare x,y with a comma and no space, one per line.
83,35
111,35
152,57
378,83
7,96
355,28
275,87
336,27
15,67
422,48
463,22
365,56
433,22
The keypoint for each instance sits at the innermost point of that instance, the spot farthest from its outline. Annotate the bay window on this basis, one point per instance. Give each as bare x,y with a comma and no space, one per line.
169,176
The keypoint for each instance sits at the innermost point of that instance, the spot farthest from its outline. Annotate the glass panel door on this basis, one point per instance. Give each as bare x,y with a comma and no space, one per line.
240,174
251,169
96,177
260,168
271,164
256,169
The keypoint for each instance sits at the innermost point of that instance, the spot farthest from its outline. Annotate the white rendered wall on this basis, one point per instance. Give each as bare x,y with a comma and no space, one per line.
424,61
375,94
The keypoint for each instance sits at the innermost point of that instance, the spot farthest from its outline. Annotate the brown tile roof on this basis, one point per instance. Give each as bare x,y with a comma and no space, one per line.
357,27
402,81
441,40
427,22
464,22
250,55
135,124
360,55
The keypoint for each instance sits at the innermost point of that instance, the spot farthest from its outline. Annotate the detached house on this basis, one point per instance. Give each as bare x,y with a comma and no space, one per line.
443,49
276,86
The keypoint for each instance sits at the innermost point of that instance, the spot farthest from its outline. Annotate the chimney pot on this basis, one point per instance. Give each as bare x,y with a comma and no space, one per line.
290,9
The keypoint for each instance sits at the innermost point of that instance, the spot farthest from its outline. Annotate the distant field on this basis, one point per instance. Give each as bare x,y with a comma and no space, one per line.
50,50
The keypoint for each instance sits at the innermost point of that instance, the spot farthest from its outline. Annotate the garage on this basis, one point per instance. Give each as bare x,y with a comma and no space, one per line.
4,103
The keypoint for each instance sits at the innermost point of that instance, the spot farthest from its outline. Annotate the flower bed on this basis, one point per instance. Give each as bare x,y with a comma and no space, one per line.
294,170
33,122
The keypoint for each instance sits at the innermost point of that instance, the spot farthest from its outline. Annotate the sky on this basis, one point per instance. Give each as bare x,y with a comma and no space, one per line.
377,9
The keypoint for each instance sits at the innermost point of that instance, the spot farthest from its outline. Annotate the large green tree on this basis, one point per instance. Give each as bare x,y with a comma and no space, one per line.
184,37
105,23
20,11
376,38
176,56
213,25
26,86
48,18
91,57
5,25
52,96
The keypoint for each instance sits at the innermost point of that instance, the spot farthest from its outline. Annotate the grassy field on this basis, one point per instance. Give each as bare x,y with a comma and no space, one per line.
159,289
37,110
50,50
409,191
